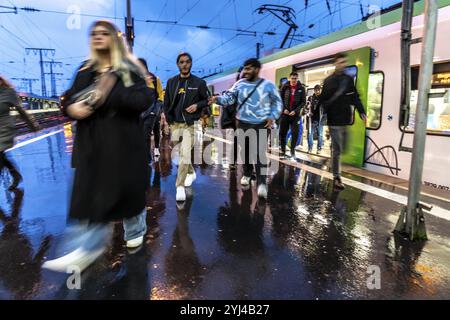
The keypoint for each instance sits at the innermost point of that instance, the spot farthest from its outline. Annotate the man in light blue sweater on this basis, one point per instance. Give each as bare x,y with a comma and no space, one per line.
259,105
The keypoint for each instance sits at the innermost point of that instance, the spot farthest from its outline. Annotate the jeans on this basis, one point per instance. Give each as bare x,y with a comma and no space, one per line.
136,226
232,152
152,125
316,126
253,153
287,122
95,236
338,144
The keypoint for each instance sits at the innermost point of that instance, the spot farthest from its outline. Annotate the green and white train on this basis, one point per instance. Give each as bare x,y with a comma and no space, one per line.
373,48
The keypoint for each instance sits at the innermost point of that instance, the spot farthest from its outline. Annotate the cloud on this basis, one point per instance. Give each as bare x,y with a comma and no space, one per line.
202,40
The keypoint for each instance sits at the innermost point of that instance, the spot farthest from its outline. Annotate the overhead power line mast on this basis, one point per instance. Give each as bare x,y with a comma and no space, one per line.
53,75
129,26
285,14
10,9
42,52
28,83
412,221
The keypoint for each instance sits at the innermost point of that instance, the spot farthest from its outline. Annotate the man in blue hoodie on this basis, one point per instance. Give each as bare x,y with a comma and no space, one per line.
259,105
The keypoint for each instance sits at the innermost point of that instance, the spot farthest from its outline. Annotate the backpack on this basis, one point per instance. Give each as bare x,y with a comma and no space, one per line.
156,108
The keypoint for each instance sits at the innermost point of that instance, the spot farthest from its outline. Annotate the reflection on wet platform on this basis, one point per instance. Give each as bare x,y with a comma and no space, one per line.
305,242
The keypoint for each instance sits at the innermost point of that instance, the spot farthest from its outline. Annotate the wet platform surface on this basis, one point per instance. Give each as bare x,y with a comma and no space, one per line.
304,242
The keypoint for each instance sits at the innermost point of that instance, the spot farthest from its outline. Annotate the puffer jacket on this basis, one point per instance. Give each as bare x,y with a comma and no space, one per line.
299,98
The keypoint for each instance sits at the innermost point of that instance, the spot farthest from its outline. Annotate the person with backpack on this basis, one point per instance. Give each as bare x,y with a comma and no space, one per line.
258,106
338,96
152,116
293,94
230,123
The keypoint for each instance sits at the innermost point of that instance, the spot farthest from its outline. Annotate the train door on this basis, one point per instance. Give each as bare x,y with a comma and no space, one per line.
312,73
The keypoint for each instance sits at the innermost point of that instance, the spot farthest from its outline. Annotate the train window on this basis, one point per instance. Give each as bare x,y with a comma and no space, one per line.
438,111
438,121
375,100
352,71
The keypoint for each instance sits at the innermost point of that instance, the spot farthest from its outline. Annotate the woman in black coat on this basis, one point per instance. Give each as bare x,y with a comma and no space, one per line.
109,155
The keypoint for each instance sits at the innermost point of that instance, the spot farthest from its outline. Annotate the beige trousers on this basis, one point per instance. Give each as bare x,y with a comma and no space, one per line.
184,133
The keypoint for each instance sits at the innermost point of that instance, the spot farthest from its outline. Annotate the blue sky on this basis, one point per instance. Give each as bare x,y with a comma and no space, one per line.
160,43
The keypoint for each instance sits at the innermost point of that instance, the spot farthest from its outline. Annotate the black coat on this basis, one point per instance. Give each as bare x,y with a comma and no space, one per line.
299,97
196,93
338,96
109,153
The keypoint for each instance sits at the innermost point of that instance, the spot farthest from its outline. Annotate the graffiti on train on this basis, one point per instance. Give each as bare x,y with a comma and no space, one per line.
436,186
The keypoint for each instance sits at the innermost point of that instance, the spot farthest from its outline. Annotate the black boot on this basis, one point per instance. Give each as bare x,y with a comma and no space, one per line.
17,177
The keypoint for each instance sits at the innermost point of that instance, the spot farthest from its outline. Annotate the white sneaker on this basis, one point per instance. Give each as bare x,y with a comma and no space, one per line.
262,191
134,243
181,194
156,152
190,178
79,258
245,181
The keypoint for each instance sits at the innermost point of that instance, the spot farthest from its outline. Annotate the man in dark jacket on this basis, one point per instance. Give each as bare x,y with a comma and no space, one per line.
185,98
294,98
338,96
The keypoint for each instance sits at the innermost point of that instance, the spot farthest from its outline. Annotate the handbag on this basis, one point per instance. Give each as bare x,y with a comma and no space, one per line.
103,85
228,114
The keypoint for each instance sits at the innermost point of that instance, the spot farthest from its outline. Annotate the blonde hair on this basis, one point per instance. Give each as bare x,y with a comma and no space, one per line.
121,58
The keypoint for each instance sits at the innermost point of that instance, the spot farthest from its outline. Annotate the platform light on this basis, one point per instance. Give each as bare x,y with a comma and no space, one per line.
323,69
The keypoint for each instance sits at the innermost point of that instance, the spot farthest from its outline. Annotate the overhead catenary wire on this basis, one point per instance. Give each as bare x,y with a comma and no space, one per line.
192,40
282,34
234,37
244,48
17,30
225,46
170,29
321,16
159,17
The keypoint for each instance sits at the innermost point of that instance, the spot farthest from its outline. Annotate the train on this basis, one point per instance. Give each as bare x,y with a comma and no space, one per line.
374,55
35,104
45,110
